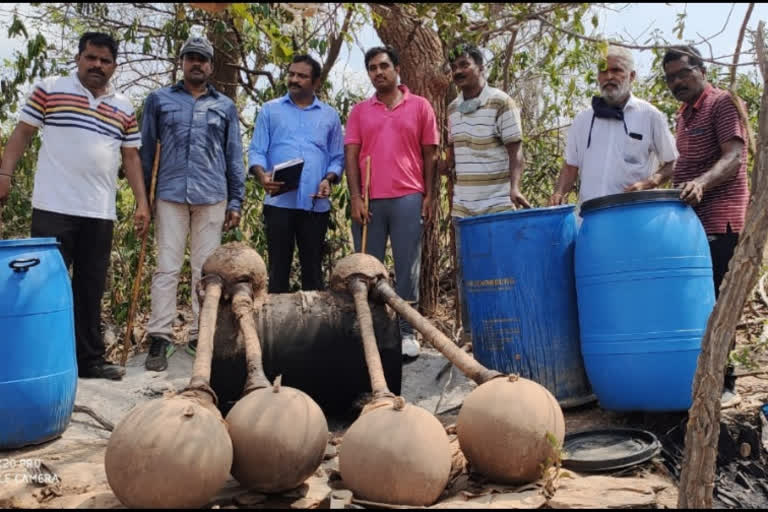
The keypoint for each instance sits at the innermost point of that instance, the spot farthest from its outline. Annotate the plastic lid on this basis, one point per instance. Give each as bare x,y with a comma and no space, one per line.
644,196
521,212
608,449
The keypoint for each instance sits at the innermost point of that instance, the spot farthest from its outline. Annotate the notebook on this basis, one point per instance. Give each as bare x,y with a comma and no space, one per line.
288,172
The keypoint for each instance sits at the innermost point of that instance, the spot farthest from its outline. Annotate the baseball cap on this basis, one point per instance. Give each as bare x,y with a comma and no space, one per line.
198,45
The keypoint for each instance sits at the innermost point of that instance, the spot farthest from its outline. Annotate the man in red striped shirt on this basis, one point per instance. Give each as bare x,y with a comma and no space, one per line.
712,168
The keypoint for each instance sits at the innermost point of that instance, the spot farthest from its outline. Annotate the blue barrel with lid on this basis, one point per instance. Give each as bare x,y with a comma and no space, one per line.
517,275
38,366
645,292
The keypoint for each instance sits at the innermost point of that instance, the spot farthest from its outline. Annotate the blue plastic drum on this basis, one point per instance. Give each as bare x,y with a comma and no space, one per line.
517,275
645,292
38,367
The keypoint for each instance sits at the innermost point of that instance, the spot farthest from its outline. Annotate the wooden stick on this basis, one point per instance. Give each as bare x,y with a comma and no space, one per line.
209,310
140,266
366,196
359,291
242,308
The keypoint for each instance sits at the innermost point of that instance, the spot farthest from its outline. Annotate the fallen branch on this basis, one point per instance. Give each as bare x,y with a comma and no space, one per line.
106,424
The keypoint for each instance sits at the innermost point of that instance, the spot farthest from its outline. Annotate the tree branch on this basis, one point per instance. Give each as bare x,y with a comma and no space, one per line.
734,96
627,45
508,58
335,47
737,53
254,72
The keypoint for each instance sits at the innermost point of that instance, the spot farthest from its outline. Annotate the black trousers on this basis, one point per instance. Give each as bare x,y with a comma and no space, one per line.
721,247
286,228
85,244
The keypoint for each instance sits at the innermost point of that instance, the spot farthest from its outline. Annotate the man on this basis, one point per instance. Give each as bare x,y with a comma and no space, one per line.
618,141
398,131
712,169
484,148
298,125
200,185
86,128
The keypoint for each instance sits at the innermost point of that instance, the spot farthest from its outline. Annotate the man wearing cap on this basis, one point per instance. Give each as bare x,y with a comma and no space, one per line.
618,141
200,185
86,129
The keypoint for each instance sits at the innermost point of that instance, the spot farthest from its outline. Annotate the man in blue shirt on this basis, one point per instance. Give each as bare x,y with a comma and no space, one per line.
298,125
200,185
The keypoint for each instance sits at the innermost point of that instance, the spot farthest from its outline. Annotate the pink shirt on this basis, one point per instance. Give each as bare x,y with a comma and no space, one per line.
393,139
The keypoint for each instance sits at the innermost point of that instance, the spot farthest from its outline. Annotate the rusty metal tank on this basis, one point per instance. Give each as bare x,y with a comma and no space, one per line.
313,340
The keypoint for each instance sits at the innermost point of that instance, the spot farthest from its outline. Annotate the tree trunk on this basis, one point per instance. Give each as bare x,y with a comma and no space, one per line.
226,56
698,471
422,63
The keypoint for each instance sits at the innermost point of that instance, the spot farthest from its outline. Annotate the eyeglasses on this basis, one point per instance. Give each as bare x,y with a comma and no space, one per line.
682,74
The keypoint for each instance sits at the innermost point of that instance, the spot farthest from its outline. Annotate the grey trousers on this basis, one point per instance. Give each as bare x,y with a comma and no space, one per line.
398,219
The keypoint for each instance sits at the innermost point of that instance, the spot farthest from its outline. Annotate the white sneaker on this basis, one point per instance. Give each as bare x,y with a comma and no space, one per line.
411,347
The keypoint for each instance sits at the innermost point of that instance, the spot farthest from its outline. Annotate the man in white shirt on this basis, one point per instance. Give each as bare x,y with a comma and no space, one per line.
87,129
618,141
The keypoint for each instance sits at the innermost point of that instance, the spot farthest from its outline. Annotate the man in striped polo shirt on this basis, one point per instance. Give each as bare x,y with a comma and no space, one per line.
484,148
712,169
86,128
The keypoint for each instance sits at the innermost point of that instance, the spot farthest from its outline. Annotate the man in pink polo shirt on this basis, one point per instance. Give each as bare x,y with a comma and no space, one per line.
397,129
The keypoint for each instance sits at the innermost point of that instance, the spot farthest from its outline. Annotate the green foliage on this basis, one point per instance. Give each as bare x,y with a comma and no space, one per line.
15,216
24,69
550,70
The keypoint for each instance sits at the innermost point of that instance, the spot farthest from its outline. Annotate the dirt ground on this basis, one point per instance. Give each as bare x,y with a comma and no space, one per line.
72,466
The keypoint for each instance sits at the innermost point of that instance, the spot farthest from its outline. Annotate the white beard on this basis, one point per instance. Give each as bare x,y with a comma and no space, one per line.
615,96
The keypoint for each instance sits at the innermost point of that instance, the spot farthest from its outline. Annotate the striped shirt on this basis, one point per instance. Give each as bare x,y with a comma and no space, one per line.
701,128
482,162
81,141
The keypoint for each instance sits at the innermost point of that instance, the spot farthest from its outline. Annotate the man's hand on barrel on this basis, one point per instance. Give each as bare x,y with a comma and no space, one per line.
639,185
517,198
691,192
555,199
